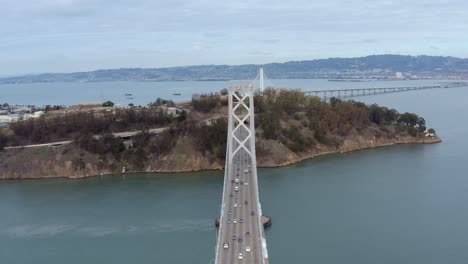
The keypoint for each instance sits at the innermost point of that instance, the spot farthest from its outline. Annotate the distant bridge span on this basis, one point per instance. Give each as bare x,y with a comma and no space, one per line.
356,92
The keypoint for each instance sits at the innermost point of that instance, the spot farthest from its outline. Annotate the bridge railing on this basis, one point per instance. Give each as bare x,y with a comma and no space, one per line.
227,166
255,178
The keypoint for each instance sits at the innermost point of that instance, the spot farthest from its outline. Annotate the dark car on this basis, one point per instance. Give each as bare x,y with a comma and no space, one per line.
252,213
246,202
240,240
234,237
241,220
247,234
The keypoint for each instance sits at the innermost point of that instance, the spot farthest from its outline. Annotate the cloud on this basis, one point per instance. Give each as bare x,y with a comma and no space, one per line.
369,40
270,41
261,53
115,33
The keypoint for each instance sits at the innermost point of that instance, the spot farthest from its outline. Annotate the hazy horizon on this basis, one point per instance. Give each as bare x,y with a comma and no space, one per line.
83,35
194,65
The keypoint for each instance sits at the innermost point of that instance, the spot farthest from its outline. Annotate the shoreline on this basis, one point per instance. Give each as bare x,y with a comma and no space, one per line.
298,159
315,155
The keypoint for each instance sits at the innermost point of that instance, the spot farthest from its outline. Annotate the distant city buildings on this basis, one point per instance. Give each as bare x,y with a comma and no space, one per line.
13,113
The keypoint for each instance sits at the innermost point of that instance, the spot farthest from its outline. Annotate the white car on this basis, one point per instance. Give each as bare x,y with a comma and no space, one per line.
247,249
235,205
226,245
236,188
234,221
241,256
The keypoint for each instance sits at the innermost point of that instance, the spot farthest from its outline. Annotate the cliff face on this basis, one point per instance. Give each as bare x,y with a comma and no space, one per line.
71,162
286,157
184,158
47,162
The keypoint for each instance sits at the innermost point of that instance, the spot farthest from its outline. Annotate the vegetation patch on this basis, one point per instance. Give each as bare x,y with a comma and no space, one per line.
289,125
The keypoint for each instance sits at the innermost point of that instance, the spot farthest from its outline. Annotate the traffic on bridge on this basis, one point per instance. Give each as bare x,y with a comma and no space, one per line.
241,236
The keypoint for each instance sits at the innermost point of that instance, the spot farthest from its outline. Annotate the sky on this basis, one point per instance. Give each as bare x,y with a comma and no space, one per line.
38,36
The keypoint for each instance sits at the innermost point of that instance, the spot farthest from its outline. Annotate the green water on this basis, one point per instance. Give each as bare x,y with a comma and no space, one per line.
401,204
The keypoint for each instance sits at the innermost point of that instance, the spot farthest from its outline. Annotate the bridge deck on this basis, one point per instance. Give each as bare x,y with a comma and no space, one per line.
355,92
240,222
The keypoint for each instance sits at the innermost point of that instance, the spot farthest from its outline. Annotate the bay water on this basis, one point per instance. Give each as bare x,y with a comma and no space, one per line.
399,204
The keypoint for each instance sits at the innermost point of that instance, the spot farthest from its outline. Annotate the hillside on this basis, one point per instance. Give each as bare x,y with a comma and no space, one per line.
288,130
375,66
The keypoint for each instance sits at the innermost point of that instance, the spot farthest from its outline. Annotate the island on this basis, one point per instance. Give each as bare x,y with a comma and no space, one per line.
89,140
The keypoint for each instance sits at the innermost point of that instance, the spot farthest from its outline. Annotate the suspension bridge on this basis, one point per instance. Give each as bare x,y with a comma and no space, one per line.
327,94
241,235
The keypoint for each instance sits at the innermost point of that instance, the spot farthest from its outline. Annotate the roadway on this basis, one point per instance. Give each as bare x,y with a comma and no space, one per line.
126,134
240,222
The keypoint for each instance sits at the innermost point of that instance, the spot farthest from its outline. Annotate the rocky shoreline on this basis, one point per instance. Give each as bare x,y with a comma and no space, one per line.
352,147
181,160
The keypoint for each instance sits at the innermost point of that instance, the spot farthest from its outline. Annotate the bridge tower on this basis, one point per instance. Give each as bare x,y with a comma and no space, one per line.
262,85
241,118
241,166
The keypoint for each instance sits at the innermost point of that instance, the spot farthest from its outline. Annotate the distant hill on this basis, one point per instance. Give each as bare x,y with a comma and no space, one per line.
375,66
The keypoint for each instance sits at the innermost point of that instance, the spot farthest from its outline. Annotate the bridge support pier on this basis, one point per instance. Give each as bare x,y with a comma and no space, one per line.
266,221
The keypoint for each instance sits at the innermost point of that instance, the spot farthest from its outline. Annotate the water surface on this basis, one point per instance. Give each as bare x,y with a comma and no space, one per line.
400,204
143,93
